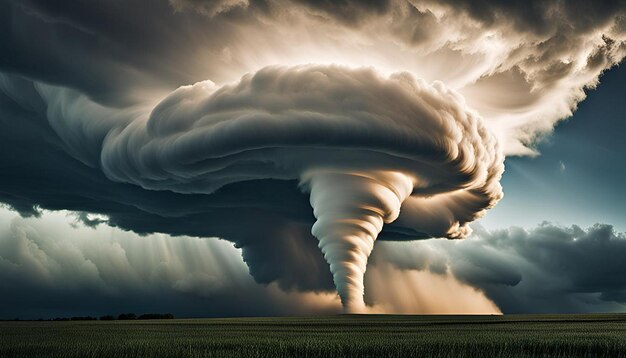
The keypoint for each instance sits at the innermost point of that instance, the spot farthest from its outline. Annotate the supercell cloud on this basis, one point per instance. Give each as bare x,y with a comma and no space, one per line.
359,144
234,119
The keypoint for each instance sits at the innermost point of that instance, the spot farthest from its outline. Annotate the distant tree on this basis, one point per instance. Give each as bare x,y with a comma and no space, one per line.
156,316
127,316
83,318
107,318
61,319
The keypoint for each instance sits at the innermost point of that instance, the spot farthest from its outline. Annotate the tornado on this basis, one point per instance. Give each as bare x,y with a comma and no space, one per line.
351,209
380,157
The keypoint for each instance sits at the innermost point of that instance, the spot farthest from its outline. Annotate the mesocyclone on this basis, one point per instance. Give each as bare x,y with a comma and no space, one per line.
363,146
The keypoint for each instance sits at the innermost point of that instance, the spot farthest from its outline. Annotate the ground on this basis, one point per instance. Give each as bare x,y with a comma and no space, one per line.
595,335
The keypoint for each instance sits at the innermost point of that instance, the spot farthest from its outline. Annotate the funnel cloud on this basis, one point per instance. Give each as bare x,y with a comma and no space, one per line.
351,209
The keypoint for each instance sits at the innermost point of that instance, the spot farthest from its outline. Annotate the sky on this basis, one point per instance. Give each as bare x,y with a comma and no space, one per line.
577,177
296,157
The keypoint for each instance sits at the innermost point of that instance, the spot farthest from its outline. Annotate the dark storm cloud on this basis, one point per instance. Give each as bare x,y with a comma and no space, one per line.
226,161
109,50
102,50
38,173
52,269
540,17
48,269
91,119
545,269
348,11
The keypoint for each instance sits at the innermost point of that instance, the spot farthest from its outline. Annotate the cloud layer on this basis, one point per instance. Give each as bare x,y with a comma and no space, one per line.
53,269
523,66
49,268
546,269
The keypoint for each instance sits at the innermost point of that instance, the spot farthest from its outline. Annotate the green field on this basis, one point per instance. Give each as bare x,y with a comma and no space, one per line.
601,335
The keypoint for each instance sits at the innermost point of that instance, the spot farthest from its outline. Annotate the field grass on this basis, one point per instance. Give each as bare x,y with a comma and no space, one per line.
602,335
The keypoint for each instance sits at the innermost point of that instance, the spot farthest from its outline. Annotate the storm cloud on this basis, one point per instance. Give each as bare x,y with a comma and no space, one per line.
389,141
523,66
233,119
49,268
545,269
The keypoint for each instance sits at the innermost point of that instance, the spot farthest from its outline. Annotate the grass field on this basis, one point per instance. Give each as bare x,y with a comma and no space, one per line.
338,336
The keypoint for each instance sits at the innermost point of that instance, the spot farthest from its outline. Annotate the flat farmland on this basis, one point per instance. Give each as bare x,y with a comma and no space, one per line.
596,335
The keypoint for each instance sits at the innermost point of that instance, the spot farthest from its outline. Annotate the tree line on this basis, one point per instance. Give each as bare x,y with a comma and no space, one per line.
120,317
